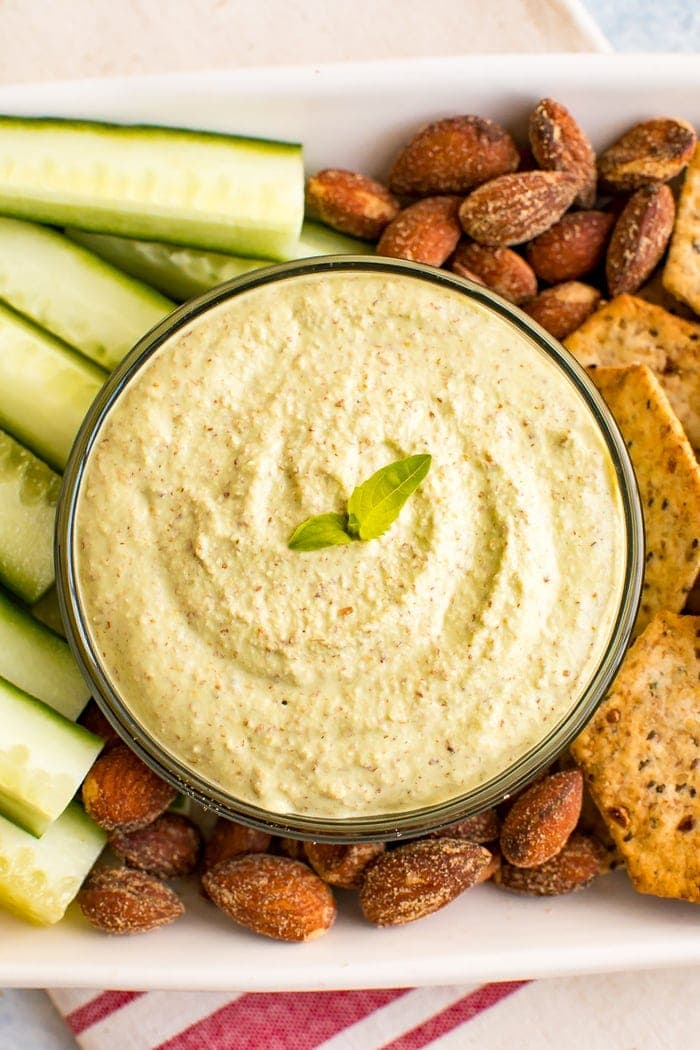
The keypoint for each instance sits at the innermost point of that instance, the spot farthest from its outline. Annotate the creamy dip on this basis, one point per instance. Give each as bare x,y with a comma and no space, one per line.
374,677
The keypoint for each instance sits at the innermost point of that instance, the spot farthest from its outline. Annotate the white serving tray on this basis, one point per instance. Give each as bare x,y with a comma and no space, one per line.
356,116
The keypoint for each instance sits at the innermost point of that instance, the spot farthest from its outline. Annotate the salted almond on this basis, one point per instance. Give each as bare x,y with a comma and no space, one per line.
351,203
559,144
121,793
482,827
515,208
415,880
564,307
427,231
229,839
452,156
572,247
342,865
293,848
169,847
540,822
651,152
493,866
122,900
501,269
639,239
275,896
574,867
93,719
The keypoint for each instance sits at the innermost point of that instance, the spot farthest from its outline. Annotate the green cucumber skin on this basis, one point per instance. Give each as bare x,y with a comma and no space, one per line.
45,388
182,272
94,307
43,759
39,877
38,662
202,189
28,495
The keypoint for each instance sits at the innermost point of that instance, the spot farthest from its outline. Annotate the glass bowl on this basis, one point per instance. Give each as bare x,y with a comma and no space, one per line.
386,826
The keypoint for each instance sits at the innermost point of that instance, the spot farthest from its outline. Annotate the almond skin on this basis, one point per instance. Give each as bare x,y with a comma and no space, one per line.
122,900
274,896
452,156
121,793
540,822
572,247
169,847
293,848
651,152
427,231
574,867
515,208
564,307
639,239
501,269
342,865
93,719
483,827
351,203
559,144
419,878
229,839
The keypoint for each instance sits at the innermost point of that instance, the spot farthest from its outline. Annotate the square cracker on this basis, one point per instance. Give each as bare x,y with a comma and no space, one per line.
640,755
669,485
682,270
630,331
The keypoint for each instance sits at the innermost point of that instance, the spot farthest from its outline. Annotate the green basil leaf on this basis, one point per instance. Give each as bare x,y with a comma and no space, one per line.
377,503
324,530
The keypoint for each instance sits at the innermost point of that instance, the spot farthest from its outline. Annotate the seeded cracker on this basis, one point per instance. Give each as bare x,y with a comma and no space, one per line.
682,272
629,331
641,758
669,485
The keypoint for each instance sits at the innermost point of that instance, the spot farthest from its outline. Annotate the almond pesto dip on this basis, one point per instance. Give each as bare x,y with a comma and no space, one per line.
377,676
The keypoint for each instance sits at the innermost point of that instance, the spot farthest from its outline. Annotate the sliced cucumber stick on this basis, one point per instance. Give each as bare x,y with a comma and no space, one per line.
40,877
47,611
36,660
74,294
45,388
219,192
43,760
28,496
184,272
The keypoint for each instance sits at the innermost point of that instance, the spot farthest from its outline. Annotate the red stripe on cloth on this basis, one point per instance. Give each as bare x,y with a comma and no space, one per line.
289,1021
463,1010
98,1008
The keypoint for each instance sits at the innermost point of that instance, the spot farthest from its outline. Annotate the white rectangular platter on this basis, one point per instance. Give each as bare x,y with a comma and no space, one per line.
356,116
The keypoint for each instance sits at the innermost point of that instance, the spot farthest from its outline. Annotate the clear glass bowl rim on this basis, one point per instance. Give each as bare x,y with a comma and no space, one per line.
405,824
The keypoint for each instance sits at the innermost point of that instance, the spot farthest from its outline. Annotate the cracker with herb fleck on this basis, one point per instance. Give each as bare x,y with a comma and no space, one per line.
669,485
640,755
630,331
682,271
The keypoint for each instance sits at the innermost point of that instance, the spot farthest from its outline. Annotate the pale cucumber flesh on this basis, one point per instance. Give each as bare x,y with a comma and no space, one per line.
28,496
48,612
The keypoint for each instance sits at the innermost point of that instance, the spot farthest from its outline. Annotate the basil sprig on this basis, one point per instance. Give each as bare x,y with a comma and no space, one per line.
372,508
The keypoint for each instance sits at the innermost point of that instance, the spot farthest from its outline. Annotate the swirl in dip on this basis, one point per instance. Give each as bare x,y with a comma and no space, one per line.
379,676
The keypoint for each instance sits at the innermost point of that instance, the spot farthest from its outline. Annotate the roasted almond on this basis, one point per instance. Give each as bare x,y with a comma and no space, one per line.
651,152
342,865
483,827
293,848
427,231
121,793
501,269
93,719
169,847
515,208
639,239
572,247
559,144
540,822
229,839
415,880
351,203
122,900
275,896
452,156
493,866
574,867
564,307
